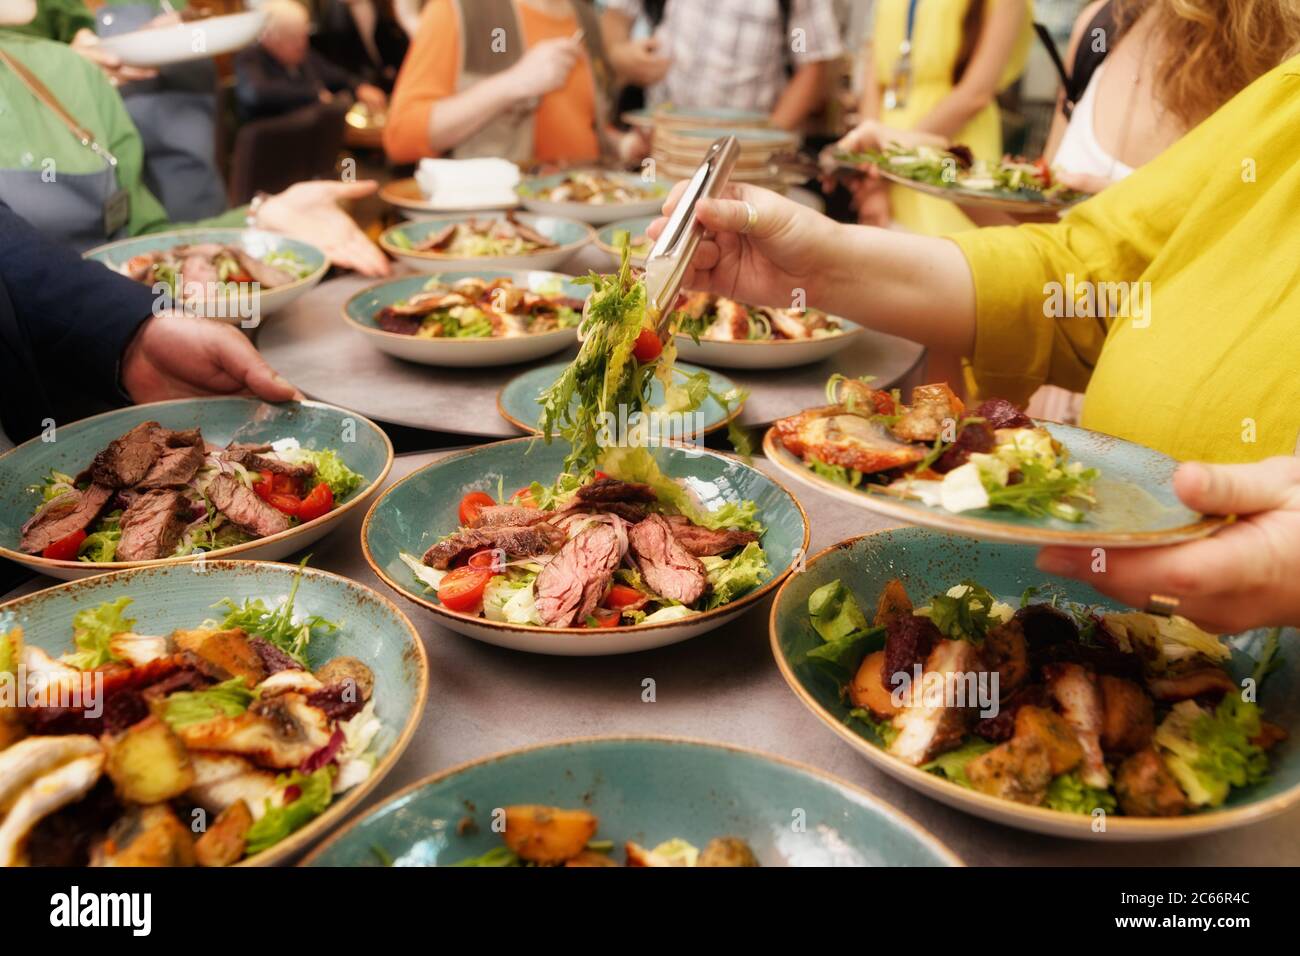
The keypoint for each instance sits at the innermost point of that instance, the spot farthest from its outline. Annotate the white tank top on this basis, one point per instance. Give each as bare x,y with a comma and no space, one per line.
1079,151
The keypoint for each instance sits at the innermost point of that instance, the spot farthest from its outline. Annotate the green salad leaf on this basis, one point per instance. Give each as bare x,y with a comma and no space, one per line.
331,471
965,617
227,699
1068,793
315,791
1211,752
884,730
953,763
737,575
101,545
497,856
277,624
836,617
93,628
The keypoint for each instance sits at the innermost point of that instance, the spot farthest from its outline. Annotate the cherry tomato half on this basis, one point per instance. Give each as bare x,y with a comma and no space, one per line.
523,498
290,505
621,595
65,549
472,504
648,347
318,502
1044,171
604,617
489,559
462,589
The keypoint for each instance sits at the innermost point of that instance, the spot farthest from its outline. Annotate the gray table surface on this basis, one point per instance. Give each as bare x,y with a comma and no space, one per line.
309,343
720,686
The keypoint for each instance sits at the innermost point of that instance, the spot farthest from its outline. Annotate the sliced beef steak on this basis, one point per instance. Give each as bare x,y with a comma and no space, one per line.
701,541
669,569
152,526
174,468
574,581
508,516
390,321
128,458
263,273
62,516
612,489
243,508
254,457
516,542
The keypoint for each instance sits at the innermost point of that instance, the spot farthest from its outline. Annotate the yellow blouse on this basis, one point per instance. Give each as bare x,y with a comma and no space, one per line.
936,44
1204,361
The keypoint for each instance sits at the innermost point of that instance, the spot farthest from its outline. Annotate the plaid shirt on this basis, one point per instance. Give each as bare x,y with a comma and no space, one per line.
730,53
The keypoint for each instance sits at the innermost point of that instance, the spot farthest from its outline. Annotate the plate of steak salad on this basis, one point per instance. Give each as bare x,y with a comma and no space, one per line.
180,480
214,272
989,472
594,543
177,719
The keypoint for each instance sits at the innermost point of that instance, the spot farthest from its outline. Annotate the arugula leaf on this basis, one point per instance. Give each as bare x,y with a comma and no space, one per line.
277,624
967,616
92,629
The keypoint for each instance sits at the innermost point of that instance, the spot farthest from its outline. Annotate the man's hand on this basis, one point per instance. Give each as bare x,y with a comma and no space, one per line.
309,211
87,44
639,61
1242,577
177,356
545,67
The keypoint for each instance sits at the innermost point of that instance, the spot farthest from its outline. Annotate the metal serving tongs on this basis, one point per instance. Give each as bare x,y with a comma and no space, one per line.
672,253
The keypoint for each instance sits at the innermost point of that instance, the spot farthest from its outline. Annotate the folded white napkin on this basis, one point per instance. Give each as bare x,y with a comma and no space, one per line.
468,183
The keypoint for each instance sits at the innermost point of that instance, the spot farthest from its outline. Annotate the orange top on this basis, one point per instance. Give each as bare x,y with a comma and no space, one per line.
564,124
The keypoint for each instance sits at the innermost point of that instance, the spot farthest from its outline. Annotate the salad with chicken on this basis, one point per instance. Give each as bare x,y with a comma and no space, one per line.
1012,177
474,308
213,264
594,188
705,316
933,451
203,747
536,835
156,492
477,238
1080,709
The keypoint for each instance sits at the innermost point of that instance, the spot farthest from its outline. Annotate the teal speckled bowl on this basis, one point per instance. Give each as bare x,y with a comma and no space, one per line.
647,790
360,442
634,228
929,563
517,401
421,508
359,312
258,242
371,628
568,234
594,213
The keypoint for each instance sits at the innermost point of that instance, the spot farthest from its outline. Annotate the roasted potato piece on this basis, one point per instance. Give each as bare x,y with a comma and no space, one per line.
591,858
146,836
1062,744
727,851
148,763
1146,788
1128,716
1008,654
228,650
547,835
344,669
1018,770
893,603
223,843
868,690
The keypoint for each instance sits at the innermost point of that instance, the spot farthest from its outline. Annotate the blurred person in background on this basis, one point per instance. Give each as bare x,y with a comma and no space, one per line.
763,55
368,38
281,72
523,80
71,161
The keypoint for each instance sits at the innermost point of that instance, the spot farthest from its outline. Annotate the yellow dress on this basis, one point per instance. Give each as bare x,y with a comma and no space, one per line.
1203,365
936,44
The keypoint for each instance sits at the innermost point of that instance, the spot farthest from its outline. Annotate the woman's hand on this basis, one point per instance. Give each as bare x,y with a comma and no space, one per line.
310,211
544,68
871,135
87,44
1243,577
871,201
785,251
178,356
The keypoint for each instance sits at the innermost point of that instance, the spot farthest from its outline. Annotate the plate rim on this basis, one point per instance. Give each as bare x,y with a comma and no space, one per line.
108,567
986,806
985,529
884,807
565,250
595,634
347,801
992,200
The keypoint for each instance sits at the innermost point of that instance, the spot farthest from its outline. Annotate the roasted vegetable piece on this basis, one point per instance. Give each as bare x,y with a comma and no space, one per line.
223,843
1008,654
1128,717
341,670
146,836
1018,770
727,851
1146,788
893,603
148,763
867,689
591,858
1051,730
229,650
547,835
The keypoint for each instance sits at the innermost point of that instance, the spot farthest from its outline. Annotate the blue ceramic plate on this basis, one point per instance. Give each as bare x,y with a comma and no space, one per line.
929,563
423,507
517,402
371,629
256,241
360,442
595,213
359,312
1136,504
568,234
634,228
644,789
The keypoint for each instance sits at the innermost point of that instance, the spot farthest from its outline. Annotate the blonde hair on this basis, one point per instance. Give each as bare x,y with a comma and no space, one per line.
1214,48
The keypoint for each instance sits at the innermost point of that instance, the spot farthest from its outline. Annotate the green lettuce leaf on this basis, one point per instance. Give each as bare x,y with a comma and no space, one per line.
736,575
1068,793
227,699
316,792
953,763
331,471
93,628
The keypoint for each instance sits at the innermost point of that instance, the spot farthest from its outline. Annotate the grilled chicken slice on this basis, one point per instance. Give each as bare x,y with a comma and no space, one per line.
788,325
1145,787
49,792
1018,770
925,731
28,759
1075,691
835,437
931,406
221,780
1128,715
731,324
280,731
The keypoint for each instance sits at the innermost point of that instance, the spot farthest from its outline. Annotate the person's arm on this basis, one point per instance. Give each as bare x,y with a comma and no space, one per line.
869,101
1003,22
817,31
802,96
407,13
335,78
